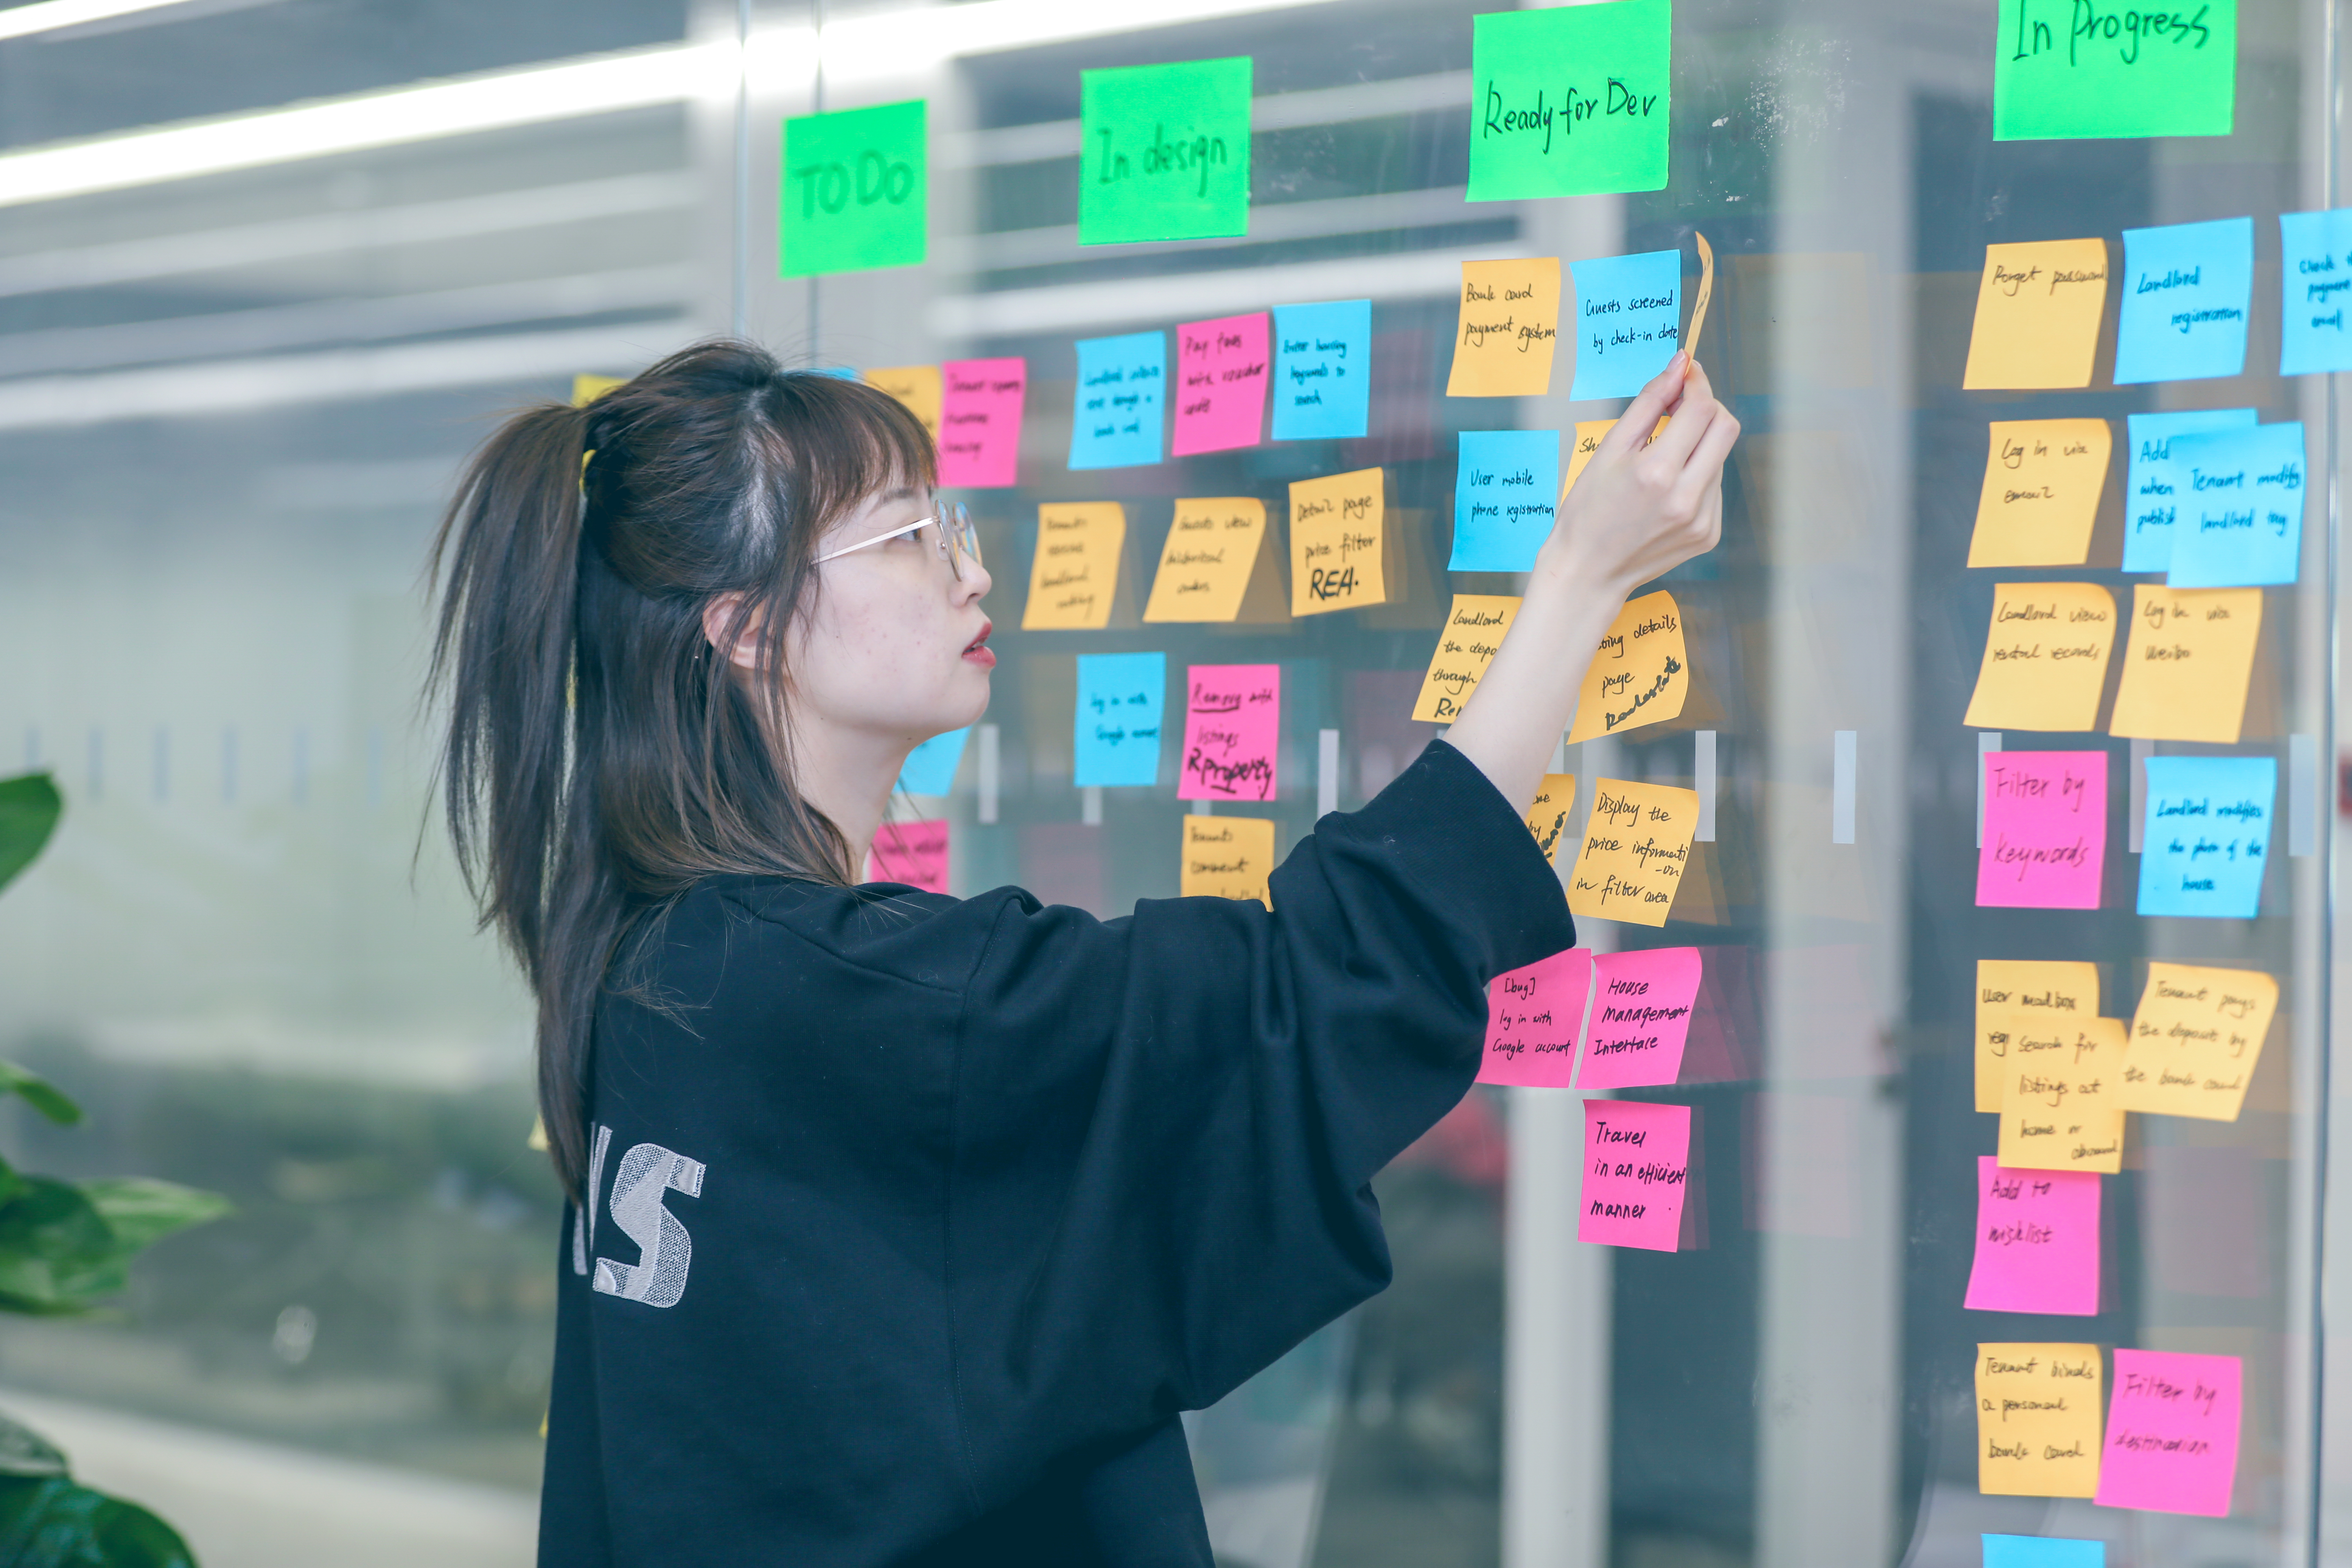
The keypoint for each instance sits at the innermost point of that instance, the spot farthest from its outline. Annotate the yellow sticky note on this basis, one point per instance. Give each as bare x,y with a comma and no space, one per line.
2062,1096
1509,324
1466,645
2039,1412
2196,1038
1206,566
2186,666
1641,675
587,389
1588,441
1548,817
1074,577
2014,992
2041,487
917,387
1337,532
2046,657
2038,315
1227,857
1635,847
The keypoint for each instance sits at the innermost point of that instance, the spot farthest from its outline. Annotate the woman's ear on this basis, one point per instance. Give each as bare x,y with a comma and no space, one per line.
724,614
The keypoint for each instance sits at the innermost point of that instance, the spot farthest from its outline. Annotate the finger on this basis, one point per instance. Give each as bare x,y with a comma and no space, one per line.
1658,398
1690,422
1704,467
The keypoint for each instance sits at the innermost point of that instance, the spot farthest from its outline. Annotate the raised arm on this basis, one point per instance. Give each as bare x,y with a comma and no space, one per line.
1640,509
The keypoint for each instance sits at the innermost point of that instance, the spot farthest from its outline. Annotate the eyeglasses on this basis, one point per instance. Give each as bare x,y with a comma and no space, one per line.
959,540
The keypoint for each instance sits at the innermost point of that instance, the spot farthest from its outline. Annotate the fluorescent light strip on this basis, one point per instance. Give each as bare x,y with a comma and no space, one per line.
892,42
48,16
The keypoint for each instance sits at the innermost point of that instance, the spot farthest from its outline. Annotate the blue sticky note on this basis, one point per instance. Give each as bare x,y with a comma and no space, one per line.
1629,320
1504,490
2315,280
1121,700
1322,369
2240,508
1121,386
930,768
2206,836
839,372
2036,1551
2187,288
2153,498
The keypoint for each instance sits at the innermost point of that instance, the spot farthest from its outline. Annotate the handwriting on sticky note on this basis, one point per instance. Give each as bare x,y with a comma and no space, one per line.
1532,1018
856,191
2038,1409
1227,857
1629,315
2207,835
1322,369
2195,1040
1212,550
2037,320
1640,674
2315,280
1221,382
2187,290
1548,817
980,422
1589,433
930,768
1232,729
2045,658
2187,663
1642,1004
2037,991
2045,830
1115,734
1570,101
1165,151
1509,325
1337,532
1636,845
913,853
2041,487
919,386
2239,522
1466,645
1636,1173
2037,1247
2061,1106
1505,487
2059,72
2152,499
1073,576
1115,417
2172,1432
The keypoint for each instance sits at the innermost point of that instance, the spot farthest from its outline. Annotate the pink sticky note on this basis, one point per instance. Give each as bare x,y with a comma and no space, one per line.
915,853
1220,384
1637,1169
2172,1432
2037,1241
2045,830
1641,1006
1232,724
979,421
1532,1015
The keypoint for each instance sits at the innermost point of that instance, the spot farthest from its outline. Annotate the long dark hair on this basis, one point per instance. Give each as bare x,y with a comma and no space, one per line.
601,757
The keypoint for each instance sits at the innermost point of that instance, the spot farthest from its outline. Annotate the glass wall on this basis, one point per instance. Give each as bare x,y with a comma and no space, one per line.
269,270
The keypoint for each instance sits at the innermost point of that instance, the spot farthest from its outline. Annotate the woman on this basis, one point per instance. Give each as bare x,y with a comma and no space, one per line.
904,1226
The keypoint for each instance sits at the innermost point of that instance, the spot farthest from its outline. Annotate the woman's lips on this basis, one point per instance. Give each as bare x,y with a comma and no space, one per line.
978,652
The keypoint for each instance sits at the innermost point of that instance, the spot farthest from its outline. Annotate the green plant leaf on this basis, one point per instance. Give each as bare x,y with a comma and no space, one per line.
29,808
54,1522
25,1452
142,1211
39,1093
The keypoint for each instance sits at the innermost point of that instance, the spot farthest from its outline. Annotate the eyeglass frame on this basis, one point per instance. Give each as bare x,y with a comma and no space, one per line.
958,537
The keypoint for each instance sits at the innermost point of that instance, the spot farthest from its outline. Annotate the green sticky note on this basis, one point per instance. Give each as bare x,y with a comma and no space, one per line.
2067,69
1166,152
855,193
1572,100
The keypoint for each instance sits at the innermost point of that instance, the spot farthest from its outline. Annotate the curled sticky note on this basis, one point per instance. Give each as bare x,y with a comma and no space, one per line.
1636,847
2045,658
1466,645
1641,675
1642,1004
1217,564
2042,482
2187,663
2196,1039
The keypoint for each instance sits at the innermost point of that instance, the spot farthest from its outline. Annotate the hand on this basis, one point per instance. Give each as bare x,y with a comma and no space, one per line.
1643,507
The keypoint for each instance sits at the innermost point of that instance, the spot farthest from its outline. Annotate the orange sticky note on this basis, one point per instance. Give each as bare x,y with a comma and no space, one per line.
1642,674
2039,1419
1509,324
1227,857
2187,663
1588,441
2062,1096
2041,487
2196,1038
2013,992
1466,645
1213,549
1337,532
2045,658
916,385
2038,315
1073,576
1548,817
1635,847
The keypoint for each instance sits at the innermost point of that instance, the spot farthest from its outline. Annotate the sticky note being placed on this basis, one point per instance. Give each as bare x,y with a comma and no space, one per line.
1114,738
1548,817
1628,316
2038,1409
2172,1433
2045,830
1635,847
2038,309
1636,1173
1115,418
1509,328
2208,835
1073,576
919,386
1504,489
1642,674
914,853
1642,1002
1165,151
1212,552
1569,102
2013,992
2240,522
2315,280
1227,857
1338,528
2187,288
856,191
2045,658
1232,729
2037,1241
2195,1039
1220,374
1466,645
2041,487
1532,1018
930,768
980,422
2153,498
2063,69
2061,1107
2042,1551
1322,369
2186,666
